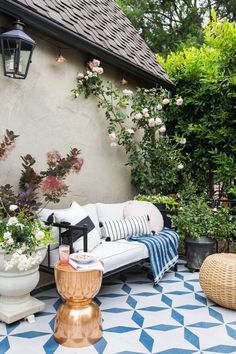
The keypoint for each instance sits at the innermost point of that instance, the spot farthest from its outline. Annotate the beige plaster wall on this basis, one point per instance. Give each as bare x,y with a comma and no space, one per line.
42,110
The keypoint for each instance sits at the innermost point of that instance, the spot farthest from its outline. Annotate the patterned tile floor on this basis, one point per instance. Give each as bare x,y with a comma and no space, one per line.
173,317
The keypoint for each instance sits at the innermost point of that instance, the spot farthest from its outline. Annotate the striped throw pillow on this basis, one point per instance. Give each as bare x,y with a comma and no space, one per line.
125,228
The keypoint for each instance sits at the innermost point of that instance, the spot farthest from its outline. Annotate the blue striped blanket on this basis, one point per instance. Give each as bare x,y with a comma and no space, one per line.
162,250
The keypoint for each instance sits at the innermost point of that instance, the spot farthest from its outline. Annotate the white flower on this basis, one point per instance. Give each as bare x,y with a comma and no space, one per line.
39,234
215,209
89,73
80,76
127,92
7,235
138,116
151,122
179,101
145,111
112,136
10,241
13,207
162,129
130,131
12,221
113,144
180,166
158,121
165,101
86,77
182,141
95,74
159,107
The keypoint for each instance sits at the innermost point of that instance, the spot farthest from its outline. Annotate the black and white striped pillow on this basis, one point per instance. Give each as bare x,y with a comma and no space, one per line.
125,228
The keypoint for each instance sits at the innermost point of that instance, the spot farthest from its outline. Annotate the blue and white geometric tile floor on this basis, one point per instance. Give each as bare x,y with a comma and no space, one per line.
173,317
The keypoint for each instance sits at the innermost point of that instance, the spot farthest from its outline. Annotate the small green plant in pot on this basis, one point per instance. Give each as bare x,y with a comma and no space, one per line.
200,226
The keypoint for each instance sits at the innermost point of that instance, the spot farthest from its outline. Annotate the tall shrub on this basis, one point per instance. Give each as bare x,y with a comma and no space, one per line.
206,77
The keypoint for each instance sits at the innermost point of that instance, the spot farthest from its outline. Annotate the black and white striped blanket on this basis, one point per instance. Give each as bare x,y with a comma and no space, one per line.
162,250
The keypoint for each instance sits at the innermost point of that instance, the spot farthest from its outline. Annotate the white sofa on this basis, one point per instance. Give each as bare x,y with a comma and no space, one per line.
116,255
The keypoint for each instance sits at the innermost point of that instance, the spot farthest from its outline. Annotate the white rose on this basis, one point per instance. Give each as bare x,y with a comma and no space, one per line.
159,107
151,122
182,141
138,116
180,166
158,121
13,207
127,92
130,131
7,235
80,76
12,221
112,136
165,101
89,73
179,101
39,234
162,129
145,111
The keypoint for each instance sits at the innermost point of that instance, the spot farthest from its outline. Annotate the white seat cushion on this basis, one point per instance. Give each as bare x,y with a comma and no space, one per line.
112,254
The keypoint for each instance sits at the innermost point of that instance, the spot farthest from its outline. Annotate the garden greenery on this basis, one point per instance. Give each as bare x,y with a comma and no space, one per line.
206,78
136,121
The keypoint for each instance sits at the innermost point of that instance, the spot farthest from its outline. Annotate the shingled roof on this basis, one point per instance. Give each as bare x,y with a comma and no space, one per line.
101,24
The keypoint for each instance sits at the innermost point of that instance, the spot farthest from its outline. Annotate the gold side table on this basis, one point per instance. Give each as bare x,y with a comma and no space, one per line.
78,320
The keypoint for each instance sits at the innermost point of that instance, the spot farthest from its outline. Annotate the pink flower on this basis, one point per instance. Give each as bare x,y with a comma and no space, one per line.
97,70
151,122
52,184
179,101
94,63
159,107
77,164
158,121
53,157
165,101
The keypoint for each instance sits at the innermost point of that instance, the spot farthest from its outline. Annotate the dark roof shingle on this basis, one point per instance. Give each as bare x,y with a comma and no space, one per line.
101,22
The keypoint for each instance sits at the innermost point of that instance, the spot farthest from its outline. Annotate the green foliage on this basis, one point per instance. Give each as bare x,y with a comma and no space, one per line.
136,121
168,201
195,218
205,76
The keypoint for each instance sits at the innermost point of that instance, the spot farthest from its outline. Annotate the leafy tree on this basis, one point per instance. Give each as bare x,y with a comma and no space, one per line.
206,78
166,24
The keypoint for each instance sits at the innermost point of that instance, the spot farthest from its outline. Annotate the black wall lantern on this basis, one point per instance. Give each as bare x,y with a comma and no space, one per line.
17,49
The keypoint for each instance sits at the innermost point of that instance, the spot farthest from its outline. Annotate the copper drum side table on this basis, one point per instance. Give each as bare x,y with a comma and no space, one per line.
78,321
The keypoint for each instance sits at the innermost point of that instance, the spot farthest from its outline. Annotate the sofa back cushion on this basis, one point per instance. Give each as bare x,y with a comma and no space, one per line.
124,228
137,208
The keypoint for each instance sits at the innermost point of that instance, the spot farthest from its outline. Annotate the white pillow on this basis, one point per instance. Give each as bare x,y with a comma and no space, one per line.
76,215
137,208
91,210
125,228
113,211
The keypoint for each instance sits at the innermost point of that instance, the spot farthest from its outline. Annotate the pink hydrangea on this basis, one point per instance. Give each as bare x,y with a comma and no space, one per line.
78,164
97,70
52,184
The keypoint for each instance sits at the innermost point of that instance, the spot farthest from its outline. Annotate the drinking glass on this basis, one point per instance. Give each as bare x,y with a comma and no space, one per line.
64,253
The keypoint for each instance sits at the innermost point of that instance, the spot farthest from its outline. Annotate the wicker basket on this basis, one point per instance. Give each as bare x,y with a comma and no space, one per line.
218,279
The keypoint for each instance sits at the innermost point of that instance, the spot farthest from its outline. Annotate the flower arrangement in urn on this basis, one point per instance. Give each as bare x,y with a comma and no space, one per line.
21,233
137,122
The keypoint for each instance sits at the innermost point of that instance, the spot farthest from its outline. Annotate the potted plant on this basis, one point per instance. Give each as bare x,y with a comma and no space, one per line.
200,225
23,238
167,204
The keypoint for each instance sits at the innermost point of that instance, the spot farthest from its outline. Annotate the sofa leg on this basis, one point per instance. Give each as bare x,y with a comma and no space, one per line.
174,268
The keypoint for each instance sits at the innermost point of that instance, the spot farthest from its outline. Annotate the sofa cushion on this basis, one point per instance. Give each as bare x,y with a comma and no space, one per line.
124,228
91,210
137,208
76,215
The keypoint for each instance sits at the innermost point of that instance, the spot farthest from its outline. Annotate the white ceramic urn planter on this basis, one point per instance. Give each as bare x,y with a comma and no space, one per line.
15,287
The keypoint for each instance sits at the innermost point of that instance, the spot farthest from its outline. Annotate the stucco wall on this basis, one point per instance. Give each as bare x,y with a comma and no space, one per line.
42,110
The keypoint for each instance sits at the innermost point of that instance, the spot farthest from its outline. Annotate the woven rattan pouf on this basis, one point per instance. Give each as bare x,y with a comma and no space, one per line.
218,279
